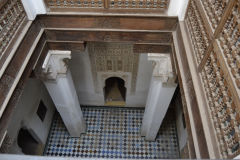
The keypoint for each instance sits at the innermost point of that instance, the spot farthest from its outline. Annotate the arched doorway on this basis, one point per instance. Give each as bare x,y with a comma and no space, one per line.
115,92
27,143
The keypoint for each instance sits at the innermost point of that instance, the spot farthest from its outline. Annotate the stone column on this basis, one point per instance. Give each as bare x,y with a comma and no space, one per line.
58,81
160,93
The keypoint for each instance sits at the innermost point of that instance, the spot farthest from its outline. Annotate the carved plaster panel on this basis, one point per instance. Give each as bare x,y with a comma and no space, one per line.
113,58
55,64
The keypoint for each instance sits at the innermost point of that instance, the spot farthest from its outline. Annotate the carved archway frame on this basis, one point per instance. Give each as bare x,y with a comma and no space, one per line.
103,76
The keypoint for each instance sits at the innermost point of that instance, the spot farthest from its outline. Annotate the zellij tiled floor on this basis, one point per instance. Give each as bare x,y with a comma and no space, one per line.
113,133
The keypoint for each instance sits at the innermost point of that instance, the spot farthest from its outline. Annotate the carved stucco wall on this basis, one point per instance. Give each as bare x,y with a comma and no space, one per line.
113,59
86,77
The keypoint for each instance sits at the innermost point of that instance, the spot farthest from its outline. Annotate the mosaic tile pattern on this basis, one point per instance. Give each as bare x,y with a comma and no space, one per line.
113,133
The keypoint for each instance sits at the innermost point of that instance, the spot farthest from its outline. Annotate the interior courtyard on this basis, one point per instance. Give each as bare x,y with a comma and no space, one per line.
119,79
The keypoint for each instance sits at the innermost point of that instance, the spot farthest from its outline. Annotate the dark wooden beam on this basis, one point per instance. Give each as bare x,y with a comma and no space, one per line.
109,22
151,48
109,36
72,46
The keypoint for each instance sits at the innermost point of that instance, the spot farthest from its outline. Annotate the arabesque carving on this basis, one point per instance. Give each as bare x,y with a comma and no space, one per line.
113,57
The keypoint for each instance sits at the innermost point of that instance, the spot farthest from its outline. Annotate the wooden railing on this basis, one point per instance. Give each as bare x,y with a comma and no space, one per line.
214,28
108,4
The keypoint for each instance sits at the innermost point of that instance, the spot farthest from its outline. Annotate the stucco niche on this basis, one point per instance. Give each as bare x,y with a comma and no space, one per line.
103,76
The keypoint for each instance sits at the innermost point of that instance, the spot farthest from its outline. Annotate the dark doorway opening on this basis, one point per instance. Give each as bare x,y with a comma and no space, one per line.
115,91
27,143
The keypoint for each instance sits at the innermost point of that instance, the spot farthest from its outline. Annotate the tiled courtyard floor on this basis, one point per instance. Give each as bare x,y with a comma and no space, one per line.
113,133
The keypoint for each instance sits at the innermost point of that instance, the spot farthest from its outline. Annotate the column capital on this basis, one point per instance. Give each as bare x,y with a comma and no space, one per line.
55,64
162,67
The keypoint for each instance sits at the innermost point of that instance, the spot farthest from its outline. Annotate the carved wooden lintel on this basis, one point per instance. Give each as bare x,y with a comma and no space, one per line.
78,46
151,48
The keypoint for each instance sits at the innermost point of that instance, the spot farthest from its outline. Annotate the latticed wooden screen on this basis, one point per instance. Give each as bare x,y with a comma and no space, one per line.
214,28
139,4
75,3
113,4
11,15
229,39
214,10
197,30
